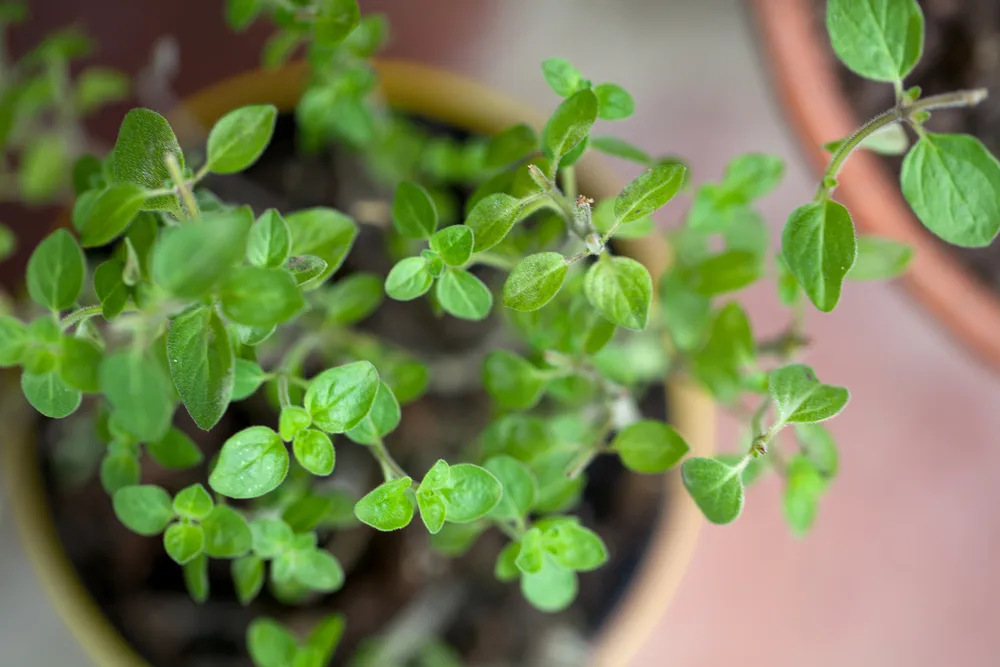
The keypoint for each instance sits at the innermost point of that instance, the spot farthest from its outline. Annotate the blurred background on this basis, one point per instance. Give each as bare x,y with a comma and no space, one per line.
900,567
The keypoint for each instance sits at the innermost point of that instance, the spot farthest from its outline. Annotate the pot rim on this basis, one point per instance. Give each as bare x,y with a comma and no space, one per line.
803,72
463,103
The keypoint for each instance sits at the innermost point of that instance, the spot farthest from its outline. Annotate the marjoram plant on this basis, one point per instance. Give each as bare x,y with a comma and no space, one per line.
201,303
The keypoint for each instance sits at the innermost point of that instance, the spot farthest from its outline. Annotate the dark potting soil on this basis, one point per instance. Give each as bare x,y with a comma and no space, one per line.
961,50
389,576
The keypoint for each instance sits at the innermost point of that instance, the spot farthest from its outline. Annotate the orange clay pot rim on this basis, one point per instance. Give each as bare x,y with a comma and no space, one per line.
465,104
804,73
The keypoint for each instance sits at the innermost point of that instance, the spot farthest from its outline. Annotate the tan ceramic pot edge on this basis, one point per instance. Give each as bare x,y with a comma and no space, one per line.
452,99
805,77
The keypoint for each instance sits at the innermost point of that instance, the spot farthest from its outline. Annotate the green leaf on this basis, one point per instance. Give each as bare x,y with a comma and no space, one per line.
42,168
271,537
511,380
183,542
463,295
339,398
613,102
241,13
590,331
492,218
878,39
227,534
804,485
685,312
552,588
56,271
258,297
573,546
98,86
335,20
240,137
730,346
270,644
307,512
292,420
621,149
247,379
144,140
13,341
649,446
175,451
278,48
319,571
649,191
248,578
307,271
413,212
314,451
621,289
270,241
201,364
193,502
110,288
352,299
324,233
518,484
196,578
727,271
139,394
387,507
952,182
505,569
880,259
569,124
819,247
561,76
189,260
432,510
535,281
510,145
409,279
252,462
752,175
717,488
118,470
145,510
800,397
789,290
603,219
454,244
111,213
380,421
472,492
819,446
79,363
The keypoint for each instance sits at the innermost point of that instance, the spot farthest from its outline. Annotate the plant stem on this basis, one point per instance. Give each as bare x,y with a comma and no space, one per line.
961,98
174,167
283,396
80,315
487,258
389,466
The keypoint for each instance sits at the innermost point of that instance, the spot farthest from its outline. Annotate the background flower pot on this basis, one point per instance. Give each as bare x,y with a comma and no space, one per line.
463,104
805,76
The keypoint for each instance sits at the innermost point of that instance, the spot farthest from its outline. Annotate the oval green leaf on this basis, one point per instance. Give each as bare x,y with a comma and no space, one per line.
819,247
252,462
535,281
339,398
621,289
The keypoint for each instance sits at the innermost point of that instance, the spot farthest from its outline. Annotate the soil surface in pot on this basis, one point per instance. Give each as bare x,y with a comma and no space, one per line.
961,51
395,581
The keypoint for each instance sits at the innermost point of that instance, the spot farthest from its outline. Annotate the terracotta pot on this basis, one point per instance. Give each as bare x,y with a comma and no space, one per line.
804,72
462,104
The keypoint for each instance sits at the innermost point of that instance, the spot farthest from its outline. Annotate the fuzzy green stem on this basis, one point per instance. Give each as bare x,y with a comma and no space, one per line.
80,315
491,259
187,197
283,396
961,98
390,468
